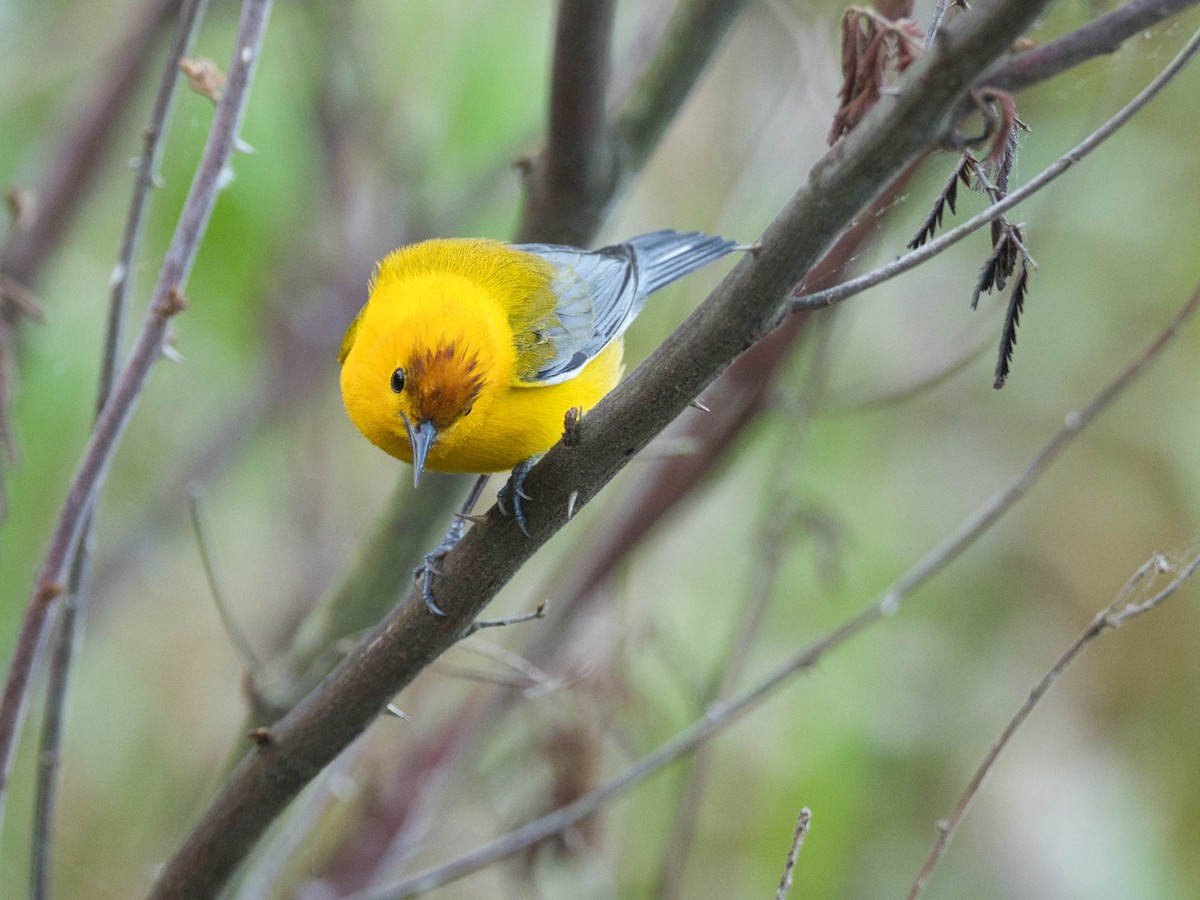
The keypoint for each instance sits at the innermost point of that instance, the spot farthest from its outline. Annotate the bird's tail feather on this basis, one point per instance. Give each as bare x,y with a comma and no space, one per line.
664,256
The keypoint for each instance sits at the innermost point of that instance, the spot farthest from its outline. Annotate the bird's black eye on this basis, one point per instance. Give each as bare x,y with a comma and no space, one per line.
398,380
467,411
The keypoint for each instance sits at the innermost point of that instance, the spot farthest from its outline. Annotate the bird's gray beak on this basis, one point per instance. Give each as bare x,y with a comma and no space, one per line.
420,439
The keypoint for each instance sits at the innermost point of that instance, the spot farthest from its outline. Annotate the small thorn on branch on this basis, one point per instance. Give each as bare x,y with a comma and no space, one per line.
261,737
393,710
539,613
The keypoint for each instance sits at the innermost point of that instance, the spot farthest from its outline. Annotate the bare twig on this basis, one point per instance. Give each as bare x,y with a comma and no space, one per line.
233,630
79,155
1116,614
830,296
780,520
1104,34
724,714
167,300
478,624
789,866
74,606
935,21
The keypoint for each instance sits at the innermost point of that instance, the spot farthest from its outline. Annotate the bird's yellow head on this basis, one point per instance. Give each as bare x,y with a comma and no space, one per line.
426,351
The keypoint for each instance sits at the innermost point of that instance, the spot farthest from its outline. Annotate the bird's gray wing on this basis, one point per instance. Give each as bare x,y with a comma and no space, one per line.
599,292
597,296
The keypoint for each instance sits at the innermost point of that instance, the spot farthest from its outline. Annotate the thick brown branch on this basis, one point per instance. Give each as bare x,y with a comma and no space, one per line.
570,182
612,150
744,307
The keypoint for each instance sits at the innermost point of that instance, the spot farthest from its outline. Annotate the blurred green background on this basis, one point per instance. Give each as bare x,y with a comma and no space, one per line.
375,123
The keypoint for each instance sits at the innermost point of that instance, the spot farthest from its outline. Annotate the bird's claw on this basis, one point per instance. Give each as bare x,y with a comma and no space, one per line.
512,491
425,573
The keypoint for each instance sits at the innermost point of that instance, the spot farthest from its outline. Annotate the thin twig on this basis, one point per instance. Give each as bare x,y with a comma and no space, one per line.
1001,502
789,866
830,296
166,301
79,157
724,714
780,518
935,21
65,635
1116,614
1104,34
233,630
479,624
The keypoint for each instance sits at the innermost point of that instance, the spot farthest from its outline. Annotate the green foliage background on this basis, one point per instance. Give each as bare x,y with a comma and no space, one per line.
1099,795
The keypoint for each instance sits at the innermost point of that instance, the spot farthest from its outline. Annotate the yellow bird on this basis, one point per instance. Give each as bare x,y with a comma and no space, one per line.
469,352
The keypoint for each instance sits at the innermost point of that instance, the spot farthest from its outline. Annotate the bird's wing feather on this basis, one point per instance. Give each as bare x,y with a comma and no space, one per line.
598,293
596,298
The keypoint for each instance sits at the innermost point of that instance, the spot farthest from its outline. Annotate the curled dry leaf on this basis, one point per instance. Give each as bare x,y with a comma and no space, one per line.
874,50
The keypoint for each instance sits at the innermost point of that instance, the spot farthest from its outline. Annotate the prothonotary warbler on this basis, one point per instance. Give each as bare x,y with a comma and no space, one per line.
469,353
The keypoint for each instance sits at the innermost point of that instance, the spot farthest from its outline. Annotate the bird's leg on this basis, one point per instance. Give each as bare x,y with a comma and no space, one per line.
512,491
454,534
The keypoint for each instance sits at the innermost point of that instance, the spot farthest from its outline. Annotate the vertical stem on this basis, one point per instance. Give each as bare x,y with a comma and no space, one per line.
167,300
66,636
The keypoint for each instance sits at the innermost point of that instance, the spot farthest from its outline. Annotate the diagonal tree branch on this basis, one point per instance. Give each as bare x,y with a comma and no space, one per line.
66,635
744,307
1104,34
166,301
726,713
